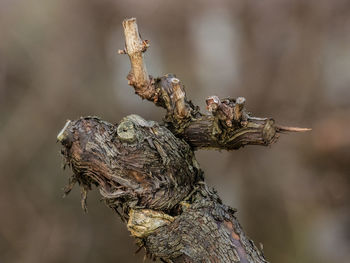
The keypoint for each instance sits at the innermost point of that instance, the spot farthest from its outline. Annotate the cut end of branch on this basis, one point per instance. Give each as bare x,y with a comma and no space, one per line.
227,110
179,95
133,41
238,108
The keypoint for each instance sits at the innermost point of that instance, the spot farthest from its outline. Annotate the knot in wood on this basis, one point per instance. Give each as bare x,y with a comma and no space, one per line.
126,131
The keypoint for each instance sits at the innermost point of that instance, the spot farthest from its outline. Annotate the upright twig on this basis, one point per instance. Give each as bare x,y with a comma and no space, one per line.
135,47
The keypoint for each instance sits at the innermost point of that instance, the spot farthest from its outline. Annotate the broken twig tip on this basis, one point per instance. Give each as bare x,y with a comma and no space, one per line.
291,129
61,135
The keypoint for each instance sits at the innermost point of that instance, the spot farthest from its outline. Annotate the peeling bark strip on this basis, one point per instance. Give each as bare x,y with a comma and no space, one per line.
148,173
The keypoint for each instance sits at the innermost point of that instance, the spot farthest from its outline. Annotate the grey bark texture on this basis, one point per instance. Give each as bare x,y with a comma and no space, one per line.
148,174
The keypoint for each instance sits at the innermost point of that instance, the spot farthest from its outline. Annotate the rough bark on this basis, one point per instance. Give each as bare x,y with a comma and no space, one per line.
152,179
147,172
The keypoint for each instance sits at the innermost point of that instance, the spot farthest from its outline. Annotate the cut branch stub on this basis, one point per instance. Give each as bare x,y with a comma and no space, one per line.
229,111
137,164
171,95
238,109
134,47
181,108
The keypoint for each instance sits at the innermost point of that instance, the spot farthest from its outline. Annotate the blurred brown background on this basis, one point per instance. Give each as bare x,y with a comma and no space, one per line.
289,58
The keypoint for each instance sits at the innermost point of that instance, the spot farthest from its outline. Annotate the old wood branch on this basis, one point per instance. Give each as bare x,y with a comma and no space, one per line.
148,174
228,125
152,180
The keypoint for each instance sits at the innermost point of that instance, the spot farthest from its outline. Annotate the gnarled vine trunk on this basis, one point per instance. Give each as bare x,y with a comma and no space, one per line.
147,172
